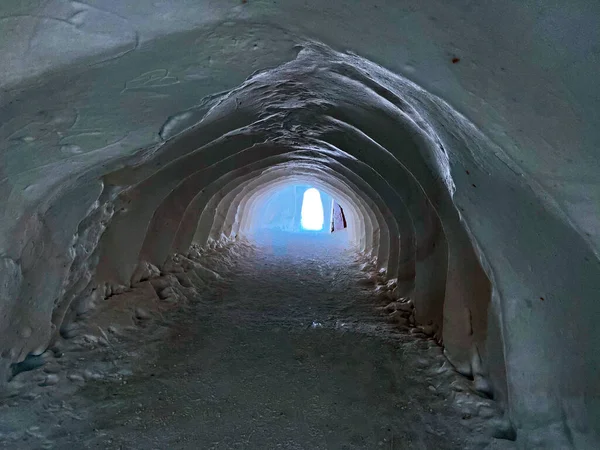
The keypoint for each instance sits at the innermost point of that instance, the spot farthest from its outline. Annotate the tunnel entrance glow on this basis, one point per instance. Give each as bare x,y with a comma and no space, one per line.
312,216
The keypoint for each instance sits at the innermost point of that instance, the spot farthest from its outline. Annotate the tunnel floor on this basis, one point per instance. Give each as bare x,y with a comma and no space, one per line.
287,352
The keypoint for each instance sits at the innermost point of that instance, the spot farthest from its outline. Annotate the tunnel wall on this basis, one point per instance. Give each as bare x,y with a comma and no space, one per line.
504,202
338,218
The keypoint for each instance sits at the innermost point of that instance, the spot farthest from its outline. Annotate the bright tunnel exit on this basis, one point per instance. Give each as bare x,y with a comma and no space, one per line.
296,215
312,216
295,207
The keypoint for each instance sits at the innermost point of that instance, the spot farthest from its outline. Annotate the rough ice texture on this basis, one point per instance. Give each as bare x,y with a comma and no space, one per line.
488,218
283,327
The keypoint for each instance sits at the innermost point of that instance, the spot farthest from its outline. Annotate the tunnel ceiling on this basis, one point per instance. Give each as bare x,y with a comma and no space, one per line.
462,138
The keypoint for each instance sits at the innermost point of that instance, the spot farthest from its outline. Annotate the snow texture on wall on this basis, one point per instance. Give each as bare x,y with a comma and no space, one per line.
468,165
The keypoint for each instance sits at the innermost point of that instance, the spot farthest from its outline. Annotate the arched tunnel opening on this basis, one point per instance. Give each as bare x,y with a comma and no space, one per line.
248,225
293,208
312,216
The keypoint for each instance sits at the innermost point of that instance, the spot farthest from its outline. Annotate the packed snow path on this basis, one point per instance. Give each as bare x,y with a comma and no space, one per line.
288,352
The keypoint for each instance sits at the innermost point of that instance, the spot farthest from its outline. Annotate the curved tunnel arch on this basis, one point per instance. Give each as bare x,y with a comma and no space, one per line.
196,209
244,203
363,219
247,202
364,223
438,201
131,236
176,195
344,125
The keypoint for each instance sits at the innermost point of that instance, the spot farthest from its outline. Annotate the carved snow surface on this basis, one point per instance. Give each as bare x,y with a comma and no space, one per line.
244,358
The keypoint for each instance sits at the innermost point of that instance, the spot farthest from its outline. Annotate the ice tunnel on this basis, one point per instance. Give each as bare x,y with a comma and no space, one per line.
460,138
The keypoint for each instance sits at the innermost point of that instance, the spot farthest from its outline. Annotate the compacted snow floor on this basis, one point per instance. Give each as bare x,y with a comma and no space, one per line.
288,349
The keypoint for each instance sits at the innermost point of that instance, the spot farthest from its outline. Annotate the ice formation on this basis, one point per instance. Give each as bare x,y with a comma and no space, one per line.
461,140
